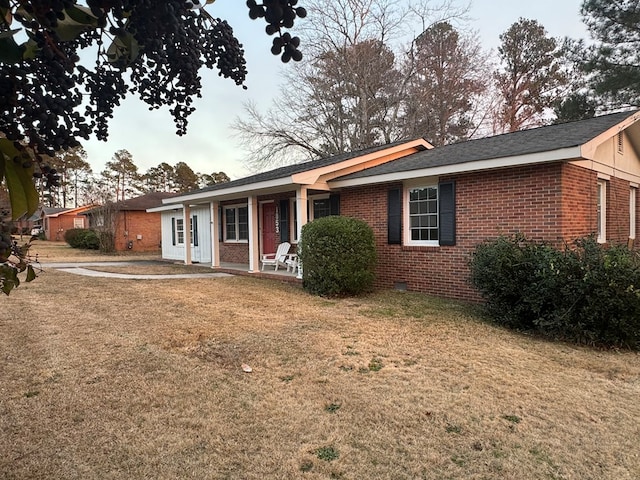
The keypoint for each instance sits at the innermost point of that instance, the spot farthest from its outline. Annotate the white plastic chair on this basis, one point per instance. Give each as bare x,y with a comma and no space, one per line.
278,258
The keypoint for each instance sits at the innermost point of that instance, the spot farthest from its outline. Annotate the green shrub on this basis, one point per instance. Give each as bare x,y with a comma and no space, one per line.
586,293
82,238
338,256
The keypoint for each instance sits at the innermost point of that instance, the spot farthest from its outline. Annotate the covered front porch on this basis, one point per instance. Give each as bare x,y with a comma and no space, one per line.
241,221
269,273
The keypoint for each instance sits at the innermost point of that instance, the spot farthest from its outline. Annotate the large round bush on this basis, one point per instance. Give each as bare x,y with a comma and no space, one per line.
82,238
338,256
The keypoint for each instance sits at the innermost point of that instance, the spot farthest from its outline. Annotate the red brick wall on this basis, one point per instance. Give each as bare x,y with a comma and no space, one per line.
130,224
234,252
57,226
617,211
488,204
579,202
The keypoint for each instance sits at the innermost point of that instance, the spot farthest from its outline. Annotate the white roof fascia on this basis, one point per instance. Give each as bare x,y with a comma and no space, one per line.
570,153
212,194
165,208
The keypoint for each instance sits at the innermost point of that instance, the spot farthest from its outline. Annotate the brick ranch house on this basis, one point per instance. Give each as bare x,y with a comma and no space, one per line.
428,207
133,227
56,221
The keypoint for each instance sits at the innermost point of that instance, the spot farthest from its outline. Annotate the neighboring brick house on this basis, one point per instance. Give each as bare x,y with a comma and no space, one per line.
132,226
56,221
429,207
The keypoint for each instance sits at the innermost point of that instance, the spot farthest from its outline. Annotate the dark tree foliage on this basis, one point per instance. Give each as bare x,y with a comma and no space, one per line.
577,106
615,61
50,99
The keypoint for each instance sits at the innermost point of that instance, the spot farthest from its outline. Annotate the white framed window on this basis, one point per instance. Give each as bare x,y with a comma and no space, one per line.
422,215
633,196
179,225
602,210
236,223
78,222
178,230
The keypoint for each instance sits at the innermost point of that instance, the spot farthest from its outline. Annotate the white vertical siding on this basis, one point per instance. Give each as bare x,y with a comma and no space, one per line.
170,251
200,253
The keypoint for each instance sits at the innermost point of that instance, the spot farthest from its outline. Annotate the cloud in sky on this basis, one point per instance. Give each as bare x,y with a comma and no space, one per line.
209,145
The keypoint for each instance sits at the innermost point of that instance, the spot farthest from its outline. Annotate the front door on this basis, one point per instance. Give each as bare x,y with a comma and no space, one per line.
269,228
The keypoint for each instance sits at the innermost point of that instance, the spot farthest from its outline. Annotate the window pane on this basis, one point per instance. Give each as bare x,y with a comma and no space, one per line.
321,208
243,231
243,215
423,214
230,223
243,223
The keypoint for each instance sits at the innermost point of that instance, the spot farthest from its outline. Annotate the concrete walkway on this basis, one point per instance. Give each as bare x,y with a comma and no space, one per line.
79,269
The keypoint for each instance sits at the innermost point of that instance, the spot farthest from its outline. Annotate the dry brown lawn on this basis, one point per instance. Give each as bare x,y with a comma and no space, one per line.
113,379
48,252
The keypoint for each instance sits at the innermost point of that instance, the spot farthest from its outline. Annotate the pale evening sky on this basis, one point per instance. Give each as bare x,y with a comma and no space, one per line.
209,146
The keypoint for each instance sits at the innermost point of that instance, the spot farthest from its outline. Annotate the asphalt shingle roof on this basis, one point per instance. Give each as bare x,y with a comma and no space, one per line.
535,140
150,200
287,171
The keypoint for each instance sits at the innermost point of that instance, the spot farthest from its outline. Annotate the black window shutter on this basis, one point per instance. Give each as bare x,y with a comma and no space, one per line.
195,230
334,200
219,224
284,220
447,199
394,217
173,230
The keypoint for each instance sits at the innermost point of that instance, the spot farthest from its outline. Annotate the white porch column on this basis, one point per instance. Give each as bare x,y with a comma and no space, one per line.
301,208
302,218
186,215
215,234
254,240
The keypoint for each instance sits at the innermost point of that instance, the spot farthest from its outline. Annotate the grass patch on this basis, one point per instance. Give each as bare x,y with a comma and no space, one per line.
332,407
375,365
453,429
328,454
512,418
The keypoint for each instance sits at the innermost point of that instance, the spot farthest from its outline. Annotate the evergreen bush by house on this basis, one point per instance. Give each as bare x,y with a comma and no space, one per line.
82,238
586,293
338,256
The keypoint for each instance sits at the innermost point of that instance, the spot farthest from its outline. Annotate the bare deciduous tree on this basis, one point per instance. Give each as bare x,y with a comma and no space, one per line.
350,92
449,80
